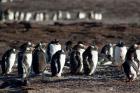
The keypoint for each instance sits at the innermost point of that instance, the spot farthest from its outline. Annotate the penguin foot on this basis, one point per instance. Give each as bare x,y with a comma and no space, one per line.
58,75
90,74
25,82
130,80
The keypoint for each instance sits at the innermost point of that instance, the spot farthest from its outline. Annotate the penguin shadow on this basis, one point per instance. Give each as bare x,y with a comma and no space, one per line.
67,79
10,82
66,76
105,73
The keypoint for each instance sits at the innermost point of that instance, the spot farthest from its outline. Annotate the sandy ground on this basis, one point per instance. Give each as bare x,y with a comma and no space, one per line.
107,79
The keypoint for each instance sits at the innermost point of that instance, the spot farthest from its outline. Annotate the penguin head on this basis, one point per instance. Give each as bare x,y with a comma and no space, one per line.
68,43
29,49
40,43
62,51
94,47
14,50
80,42
120,44
135,46
56,41
94,43
110,44
29,43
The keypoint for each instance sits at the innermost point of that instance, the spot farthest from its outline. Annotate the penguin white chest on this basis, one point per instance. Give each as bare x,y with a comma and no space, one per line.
54,48
138,57
11,15
12,58
95,56
111,51
62,63
81,52
138,54
29,59
120,53
62,59
123,52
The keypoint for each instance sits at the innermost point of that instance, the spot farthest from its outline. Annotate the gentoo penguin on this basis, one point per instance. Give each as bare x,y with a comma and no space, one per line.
57,63
107,51
120,53
8,61
52,48
76,58
39,58
26,63
82,15
6,14
131,64
22,50
90,59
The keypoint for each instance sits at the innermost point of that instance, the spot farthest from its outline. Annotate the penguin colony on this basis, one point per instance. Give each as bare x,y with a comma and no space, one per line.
82,59
5,1
9,15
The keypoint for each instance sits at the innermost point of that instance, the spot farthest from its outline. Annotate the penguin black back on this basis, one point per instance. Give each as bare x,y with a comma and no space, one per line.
39,60
74,61
55,62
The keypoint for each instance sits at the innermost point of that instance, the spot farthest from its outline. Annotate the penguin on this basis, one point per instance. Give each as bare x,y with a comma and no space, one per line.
52,48
131,64
57,63
28,16
6,14
76,58
11,60
26,63
107,51
82,15
8,60
119,54
21,52
90,59
39,58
